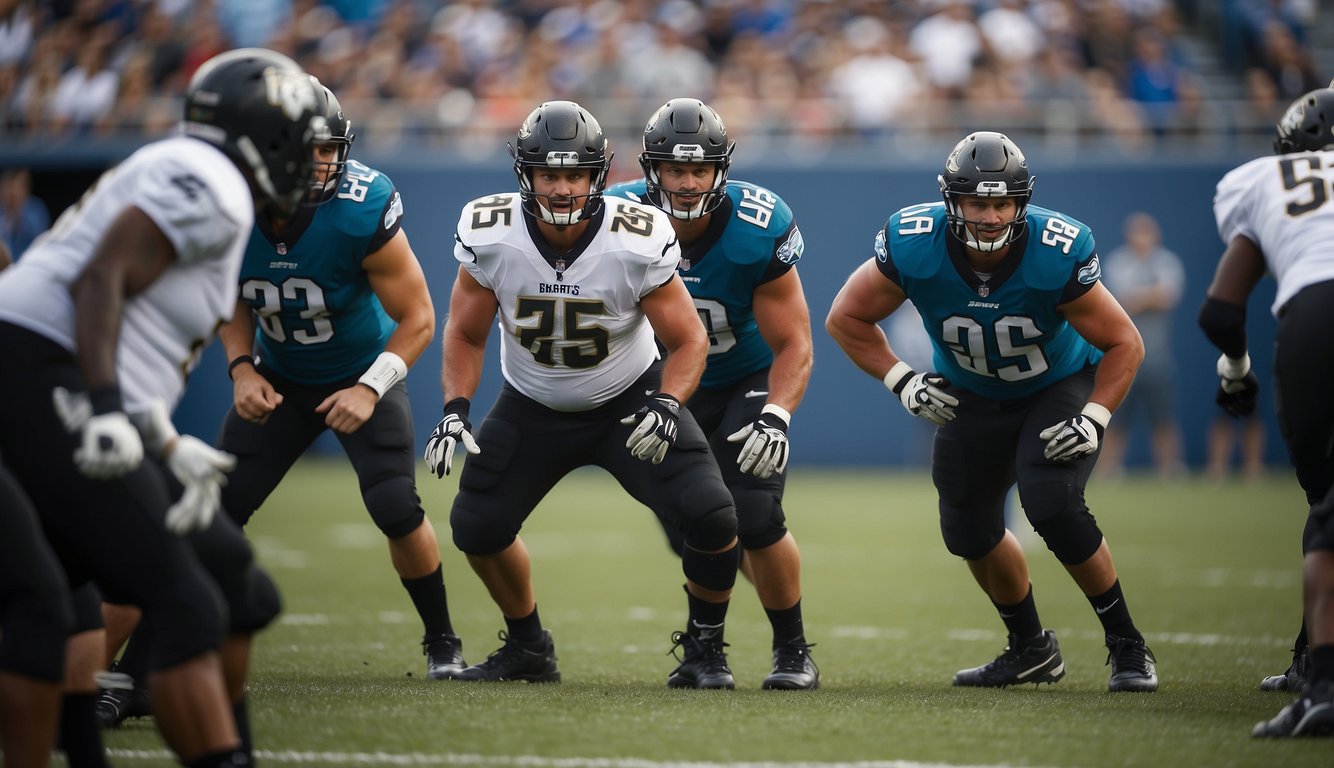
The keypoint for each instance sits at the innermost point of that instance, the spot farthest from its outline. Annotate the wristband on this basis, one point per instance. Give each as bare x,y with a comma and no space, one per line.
459,405
387,370
897,378
1097,413
238,360
1234,368
779,411
105,399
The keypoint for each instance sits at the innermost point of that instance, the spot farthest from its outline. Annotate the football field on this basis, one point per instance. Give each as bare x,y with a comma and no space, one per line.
1210,571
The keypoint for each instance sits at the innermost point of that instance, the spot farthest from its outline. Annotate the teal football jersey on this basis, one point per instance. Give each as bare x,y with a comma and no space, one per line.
752,238
318,320
1002,338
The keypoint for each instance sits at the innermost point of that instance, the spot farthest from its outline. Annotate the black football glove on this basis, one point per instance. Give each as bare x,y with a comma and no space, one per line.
655,427
453,429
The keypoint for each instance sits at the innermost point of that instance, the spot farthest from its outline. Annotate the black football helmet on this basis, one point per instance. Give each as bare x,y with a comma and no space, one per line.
560,134
261,109
341,136
985,164
686,131
1308,125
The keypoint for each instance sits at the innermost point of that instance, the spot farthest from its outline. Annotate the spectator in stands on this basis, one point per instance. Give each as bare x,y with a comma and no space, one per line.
1147,279
22,215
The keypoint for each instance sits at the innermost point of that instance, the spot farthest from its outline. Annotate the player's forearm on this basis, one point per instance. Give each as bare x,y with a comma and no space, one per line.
238,334
789,375
1115,374
864,343
98,304
685,364
412,336
461,368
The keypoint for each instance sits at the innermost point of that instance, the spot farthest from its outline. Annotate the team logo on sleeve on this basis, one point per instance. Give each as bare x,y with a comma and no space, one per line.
793,247
881,248
1090,272
395,210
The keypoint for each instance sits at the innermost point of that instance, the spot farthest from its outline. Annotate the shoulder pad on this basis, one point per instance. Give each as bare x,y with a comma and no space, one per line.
1056,244
915,237
487,220
759,206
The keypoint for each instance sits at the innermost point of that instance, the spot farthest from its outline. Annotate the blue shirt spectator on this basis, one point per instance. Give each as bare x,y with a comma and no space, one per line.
22,216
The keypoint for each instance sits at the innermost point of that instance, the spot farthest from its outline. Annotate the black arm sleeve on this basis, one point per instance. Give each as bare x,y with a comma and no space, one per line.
1225,325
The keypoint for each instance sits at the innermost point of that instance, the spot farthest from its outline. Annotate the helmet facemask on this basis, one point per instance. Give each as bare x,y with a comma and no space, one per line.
686,131
561,135
328,174
985,164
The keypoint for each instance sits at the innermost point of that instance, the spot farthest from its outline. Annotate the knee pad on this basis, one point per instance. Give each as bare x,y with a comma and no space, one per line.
394,505
1059,515
475,532
712,530
712,570
259,605
35,630
965,537
87,604
760,518
188,619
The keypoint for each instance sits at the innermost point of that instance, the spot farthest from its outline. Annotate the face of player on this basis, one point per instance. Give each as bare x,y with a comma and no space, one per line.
988,219
686,185
325,156
562,191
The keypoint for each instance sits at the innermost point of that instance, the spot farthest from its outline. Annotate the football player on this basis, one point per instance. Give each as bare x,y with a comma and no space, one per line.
581,284
1032,355
333,310
739,251
1275,215
101,323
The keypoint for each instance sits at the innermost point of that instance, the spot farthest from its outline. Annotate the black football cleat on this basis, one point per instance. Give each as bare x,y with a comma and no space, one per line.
1296,675
703,663
1038,661
514,661
444,657
1133,666
116,705
1312,714
794,670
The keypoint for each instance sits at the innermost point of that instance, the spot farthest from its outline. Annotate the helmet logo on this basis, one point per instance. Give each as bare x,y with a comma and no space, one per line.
290,92
991,188
562,158
688,153
952,162
1292,119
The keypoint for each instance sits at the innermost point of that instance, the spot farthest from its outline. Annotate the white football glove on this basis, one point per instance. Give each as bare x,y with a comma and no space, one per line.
111,446
655,427
1078,436
923,394
766,448
453,429
202,469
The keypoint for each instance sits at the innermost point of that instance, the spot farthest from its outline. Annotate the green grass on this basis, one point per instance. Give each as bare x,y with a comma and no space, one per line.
1210,572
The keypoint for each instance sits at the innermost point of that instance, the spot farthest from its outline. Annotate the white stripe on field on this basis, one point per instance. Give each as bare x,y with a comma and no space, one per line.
527,761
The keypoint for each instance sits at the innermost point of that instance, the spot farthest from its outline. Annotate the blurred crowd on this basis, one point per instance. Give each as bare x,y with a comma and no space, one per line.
463,74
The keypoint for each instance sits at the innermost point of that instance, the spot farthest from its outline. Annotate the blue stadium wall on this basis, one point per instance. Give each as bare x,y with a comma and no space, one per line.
847,417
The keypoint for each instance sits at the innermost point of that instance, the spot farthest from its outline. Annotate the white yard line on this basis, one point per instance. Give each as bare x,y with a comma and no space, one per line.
525,761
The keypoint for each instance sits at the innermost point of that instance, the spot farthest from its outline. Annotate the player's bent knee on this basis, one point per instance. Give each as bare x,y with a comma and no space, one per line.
394,506
713,530
968,541
760,518
260,605
189,619
476,531
35,629
1073,536
712,570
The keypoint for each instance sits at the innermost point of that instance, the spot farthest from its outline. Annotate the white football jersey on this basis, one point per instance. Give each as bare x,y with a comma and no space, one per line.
202,204
1283,204
574,337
